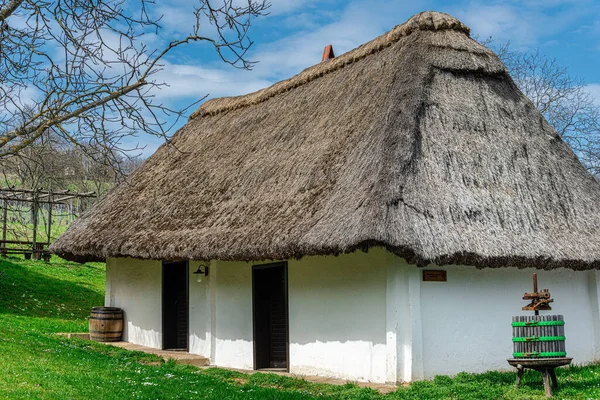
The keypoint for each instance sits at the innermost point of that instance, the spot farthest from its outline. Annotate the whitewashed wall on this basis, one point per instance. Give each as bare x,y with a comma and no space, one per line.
363,316
136,287
466,320
231,287
337,309
200,314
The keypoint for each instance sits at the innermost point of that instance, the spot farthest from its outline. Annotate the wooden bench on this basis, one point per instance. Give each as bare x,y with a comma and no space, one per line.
25,248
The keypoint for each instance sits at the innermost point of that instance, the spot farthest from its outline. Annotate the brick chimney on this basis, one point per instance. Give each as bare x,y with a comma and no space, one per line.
328,53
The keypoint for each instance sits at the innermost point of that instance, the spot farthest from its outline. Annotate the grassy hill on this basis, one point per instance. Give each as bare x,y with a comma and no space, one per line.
39,299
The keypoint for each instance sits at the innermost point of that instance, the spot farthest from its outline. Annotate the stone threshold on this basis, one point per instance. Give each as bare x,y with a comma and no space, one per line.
180,356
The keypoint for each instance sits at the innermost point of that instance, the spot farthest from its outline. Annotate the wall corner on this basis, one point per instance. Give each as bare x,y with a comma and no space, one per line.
595,303
394,311
403,323
109,295
211,310
414,289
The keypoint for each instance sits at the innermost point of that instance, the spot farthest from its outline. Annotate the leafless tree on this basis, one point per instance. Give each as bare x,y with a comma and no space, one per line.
98,169
41,164
563,99
52,164
82,69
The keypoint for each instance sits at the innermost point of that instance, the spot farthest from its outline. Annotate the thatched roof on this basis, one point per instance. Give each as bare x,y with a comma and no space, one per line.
418,141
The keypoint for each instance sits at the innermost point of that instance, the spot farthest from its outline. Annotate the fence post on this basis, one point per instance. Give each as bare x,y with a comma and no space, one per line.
34,253
49,222
4,225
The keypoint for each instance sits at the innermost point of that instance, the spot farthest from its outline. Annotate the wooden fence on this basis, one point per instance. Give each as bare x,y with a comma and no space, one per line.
28,215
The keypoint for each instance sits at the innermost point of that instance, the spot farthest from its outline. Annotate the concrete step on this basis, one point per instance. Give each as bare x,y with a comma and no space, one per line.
183,357
180,356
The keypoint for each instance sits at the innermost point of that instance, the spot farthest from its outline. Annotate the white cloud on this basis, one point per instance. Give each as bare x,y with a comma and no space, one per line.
594,89
279,7
497,22
525,24
358,23
191,82
177,16
22,97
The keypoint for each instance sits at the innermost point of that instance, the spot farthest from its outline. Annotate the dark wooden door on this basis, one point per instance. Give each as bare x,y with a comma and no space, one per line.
270,319
175,308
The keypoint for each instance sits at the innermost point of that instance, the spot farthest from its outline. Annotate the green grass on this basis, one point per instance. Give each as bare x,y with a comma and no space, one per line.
39,299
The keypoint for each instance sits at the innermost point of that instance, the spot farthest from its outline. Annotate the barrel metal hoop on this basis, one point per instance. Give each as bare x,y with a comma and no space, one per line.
540,354
538,339
539,323
106,309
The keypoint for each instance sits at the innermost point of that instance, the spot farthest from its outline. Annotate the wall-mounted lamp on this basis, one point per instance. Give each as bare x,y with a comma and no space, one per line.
201,274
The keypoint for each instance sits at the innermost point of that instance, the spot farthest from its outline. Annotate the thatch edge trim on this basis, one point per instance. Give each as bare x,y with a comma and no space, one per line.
424,21
458,258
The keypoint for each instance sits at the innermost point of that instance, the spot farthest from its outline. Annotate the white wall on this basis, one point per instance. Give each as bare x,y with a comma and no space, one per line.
466,320
363,316
136,287
200,313
232,286
337,309
337,313
595,303
404,328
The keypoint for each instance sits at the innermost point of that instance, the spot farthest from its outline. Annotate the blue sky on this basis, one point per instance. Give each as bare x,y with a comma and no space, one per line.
292,38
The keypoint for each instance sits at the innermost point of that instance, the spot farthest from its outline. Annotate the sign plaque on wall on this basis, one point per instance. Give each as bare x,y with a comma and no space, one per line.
431,275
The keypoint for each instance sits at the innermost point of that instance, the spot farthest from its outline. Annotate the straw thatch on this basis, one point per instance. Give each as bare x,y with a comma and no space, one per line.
418,141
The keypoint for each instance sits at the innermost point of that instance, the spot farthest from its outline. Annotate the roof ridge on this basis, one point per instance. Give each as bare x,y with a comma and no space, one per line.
424,21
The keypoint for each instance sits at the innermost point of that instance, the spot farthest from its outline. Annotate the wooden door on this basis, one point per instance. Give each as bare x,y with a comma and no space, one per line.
270,316
175,308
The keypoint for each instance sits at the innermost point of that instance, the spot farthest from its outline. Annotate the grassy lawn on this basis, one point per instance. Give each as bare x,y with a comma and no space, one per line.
39,299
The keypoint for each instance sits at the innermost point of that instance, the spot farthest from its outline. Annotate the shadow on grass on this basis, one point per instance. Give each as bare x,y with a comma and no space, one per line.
578,379
61,291
574,378
574,382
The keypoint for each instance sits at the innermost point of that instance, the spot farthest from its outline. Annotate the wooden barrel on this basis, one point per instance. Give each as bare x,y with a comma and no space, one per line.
106,324
538,336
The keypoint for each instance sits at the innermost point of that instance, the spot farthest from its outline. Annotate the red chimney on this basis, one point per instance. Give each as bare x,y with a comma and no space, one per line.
328,53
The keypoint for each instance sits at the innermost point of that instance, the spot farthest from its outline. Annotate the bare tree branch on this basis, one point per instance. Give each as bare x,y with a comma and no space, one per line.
10,8
83,71
563,99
